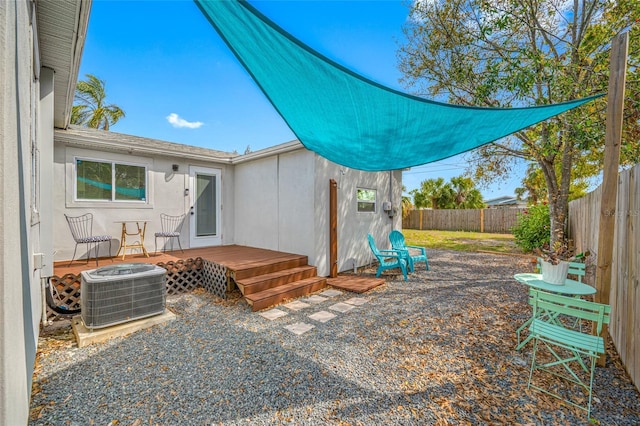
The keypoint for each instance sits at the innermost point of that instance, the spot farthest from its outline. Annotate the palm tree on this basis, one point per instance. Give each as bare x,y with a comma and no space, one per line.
464,193
433,190
90,109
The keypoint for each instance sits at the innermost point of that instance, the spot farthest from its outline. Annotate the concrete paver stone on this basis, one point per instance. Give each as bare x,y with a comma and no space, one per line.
296,305
315,299
341,307
299,328
357,301
331,293
322,316
273,314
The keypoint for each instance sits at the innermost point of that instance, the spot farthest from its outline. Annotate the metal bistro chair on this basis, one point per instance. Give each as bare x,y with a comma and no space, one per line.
566,345
578,269
416,254
171,226
388,259
82,231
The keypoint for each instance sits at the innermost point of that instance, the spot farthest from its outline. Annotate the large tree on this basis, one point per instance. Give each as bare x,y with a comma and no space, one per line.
90,108
510,53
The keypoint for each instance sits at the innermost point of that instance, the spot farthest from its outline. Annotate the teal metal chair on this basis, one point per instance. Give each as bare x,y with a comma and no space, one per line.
415,254
578,270
567,346
389,259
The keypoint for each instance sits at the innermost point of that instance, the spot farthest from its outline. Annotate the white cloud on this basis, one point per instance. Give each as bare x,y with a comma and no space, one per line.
175,120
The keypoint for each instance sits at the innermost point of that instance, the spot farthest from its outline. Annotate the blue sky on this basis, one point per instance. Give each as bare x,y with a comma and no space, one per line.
176,80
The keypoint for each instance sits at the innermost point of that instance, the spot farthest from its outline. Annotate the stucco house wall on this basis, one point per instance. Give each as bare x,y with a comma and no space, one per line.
165,187
282,203
353,226
30,96
18,326
274,201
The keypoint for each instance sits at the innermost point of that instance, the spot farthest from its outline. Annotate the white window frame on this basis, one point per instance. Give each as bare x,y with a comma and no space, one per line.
374,202
113,183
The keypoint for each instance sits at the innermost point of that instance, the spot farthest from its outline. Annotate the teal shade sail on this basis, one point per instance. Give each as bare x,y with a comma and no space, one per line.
350,119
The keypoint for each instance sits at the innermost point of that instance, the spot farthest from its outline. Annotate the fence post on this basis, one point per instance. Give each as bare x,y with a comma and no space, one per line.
613,139
420,219
481,220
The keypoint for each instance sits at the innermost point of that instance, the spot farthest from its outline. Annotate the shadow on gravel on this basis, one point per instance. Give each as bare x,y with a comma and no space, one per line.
438,349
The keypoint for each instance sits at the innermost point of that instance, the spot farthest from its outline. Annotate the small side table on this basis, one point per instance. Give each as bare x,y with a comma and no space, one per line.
141,229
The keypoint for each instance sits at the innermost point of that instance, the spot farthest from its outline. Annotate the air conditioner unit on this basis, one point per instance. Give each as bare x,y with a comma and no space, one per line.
116,294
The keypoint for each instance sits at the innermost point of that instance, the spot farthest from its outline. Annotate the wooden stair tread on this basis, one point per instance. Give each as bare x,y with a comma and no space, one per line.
250,270
283,288
275,295
277,274
274,279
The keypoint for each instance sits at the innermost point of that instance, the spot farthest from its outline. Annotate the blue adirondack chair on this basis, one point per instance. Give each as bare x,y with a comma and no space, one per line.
389,259
415,253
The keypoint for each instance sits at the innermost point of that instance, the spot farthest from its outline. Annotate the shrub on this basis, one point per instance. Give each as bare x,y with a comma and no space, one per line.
533,229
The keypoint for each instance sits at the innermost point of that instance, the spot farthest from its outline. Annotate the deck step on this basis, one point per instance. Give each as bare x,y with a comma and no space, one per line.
273,296
275,279
251,269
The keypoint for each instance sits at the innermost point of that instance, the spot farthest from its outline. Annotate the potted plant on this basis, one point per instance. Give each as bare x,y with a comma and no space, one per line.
554,261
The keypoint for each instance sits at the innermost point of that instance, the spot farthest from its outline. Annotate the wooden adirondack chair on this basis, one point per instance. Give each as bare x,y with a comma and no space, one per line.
389,259
416,254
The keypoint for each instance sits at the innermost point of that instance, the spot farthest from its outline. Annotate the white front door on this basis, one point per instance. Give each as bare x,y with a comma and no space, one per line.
205,218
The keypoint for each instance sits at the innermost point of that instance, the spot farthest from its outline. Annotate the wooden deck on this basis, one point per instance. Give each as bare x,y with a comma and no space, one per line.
264,277
235,257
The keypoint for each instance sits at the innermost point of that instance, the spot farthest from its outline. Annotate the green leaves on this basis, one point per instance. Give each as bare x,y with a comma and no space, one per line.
91,109
459,193
534,228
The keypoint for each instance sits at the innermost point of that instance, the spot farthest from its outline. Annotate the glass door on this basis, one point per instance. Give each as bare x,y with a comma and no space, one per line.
205,218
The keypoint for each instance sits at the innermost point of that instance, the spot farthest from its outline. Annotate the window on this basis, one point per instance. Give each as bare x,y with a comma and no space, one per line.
96,181
366,200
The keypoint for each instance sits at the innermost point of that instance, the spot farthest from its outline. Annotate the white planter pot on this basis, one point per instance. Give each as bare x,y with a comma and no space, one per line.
555,274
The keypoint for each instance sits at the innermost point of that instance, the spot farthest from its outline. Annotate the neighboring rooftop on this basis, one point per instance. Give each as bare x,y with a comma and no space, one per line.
505,201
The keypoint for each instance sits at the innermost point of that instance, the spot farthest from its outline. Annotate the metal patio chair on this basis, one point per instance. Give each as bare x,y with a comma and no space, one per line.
171,227
566,345
416,254
82,231
389,259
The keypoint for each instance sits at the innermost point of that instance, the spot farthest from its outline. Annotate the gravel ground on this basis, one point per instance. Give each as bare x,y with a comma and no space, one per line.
437,349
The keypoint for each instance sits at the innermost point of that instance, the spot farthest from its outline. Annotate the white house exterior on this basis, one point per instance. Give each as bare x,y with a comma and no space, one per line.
282,203
40,48
277,198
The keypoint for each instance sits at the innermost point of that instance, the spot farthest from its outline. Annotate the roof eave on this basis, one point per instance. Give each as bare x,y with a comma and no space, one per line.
61,42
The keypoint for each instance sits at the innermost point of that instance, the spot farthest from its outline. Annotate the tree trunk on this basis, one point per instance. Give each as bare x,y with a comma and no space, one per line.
558,201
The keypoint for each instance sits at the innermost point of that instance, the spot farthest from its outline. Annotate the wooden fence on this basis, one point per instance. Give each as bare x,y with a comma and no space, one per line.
476,220
584,218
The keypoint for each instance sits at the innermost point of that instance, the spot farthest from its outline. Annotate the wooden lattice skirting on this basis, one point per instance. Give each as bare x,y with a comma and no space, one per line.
182,276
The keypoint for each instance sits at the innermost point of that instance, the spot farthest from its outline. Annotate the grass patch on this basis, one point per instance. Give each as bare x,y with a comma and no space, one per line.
462,241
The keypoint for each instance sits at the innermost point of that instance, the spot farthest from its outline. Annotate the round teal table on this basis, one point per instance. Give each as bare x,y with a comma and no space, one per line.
569,288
